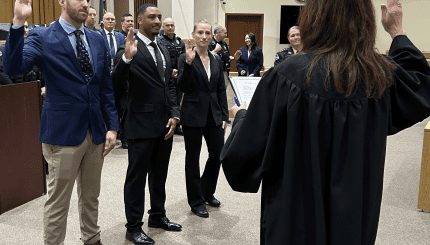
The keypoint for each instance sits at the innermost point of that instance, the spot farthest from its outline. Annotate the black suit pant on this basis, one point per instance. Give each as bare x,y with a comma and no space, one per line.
146,156
201,189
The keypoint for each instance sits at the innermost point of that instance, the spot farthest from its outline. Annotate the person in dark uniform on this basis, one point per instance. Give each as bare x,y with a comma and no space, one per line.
91,20
295,45
176,47
127,22
4,78
220,47
204,113
29,76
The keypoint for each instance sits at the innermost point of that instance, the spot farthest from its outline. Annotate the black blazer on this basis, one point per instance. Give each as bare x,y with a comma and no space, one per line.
200,93
150,100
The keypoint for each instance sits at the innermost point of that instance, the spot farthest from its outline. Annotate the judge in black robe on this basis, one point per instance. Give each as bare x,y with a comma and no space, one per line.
320,156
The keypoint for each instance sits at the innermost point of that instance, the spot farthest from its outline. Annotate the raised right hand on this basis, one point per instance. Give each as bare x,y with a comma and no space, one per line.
130,45
392,16
21,12
237,54
191,54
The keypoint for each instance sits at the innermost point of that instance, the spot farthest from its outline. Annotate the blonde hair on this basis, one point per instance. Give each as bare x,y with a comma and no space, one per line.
202,21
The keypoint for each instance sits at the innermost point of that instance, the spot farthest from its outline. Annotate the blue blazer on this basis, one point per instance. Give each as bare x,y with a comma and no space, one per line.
71,104
251,65
119,37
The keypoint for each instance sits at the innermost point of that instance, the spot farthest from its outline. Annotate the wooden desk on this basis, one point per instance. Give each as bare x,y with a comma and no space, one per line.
424,190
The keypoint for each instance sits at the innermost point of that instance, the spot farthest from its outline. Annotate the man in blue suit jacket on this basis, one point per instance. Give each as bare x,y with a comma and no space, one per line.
79,109
114,38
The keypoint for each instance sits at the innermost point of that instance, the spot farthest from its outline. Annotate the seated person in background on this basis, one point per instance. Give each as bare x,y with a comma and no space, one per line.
29,76
251,58
295,45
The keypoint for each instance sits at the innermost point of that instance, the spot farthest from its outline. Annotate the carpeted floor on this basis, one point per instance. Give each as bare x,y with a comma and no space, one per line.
237,220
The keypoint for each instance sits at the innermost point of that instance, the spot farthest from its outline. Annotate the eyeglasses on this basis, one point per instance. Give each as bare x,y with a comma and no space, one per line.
110,19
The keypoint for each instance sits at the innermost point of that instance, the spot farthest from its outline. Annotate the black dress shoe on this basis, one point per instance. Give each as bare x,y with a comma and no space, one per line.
124,144
139,238
214,202
164,223
201,213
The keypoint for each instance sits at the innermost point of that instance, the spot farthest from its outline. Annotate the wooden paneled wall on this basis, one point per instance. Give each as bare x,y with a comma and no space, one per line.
121,8
44,11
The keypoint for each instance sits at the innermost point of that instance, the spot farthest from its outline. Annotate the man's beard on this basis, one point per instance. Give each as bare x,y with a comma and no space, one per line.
75,16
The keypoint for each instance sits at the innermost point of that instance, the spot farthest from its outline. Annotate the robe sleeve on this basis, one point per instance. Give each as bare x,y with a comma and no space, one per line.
410,95
247,152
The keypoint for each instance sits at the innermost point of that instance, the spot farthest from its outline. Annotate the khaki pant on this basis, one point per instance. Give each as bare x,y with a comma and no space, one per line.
66,164
229,92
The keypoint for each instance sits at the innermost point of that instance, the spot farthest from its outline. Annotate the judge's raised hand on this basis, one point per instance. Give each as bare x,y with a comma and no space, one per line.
191,54
130,45
21,12
392,16
236,108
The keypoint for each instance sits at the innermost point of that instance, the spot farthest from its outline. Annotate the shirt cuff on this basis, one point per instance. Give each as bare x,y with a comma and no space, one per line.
127,61
16,27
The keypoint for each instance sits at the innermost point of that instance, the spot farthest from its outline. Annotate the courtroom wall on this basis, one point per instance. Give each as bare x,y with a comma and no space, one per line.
416,18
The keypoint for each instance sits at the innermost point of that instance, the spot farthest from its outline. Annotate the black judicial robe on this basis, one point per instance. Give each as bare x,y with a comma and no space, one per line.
319,156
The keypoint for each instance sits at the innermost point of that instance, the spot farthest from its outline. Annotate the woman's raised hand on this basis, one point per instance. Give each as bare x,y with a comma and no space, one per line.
392,16
191,54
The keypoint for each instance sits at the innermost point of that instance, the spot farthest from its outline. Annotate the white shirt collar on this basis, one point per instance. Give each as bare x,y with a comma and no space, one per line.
107,33
146,40
295,50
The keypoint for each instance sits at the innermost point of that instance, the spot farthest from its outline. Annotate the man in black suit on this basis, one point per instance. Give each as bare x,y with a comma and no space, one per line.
295,45
148,122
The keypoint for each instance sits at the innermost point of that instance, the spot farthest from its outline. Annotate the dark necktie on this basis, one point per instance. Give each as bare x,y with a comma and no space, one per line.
160,67
111,46
83,57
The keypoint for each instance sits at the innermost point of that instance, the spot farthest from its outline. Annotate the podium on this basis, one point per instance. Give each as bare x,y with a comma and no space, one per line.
22,173
424,190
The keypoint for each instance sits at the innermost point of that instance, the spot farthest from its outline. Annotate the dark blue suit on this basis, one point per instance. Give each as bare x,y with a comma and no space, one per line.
119,38
71,104
251,64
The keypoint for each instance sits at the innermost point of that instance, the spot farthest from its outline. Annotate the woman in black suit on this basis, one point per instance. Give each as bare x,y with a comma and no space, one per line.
251,58
204,113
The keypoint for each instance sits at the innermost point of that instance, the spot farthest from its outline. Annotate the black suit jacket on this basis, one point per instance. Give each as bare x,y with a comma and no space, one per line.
200,93
150,101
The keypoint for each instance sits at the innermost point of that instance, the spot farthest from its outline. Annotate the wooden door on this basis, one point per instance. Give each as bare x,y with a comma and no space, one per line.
238,25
